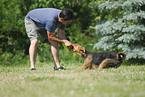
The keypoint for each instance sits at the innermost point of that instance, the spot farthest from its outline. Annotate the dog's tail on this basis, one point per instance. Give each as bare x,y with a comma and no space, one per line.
121,56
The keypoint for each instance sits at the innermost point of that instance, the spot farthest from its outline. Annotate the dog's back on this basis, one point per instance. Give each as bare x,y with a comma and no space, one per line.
98,57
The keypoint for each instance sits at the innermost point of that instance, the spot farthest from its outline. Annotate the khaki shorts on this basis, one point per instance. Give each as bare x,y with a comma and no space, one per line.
32,31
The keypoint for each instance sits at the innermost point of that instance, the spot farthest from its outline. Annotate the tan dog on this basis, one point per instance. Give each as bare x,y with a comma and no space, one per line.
98,60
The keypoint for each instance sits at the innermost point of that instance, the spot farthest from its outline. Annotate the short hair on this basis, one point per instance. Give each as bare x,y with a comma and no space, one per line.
66,14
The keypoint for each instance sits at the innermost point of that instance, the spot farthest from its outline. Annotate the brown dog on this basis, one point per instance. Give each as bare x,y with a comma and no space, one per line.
98,60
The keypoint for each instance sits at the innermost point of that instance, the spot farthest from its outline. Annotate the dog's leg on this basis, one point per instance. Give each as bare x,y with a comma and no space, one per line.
114,63
108,63
104,63
87,63
94,66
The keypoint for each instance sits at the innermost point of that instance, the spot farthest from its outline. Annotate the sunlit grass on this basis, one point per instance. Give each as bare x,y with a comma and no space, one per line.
19,81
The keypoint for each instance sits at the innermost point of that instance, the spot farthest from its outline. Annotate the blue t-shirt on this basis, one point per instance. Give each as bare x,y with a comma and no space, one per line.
46,18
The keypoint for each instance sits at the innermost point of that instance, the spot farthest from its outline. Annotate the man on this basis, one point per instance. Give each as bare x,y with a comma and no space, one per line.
45,21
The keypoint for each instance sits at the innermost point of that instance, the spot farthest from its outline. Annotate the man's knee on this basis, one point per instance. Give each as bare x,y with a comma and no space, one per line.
53,43
34,42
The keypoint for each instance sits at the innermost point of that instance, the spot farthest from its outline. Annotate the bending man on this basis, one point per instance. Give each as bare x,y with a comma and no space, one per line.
45,21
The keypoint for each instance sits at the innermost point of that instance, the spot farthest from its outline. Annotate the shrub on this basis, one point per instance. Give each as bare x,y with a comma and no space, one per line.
123,28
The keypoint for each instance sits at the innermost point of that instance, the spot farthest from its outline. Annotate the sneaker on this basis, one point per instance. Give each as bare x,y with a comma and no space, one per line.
32,69
60,68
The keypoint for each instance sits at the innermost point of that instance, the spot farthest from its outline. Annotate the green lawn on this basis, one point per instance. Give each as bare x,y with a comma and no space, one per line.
18,81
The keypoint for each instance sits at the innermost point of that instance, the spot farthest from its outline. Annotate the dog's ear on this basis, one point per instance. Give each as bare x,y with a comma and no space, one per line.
84,49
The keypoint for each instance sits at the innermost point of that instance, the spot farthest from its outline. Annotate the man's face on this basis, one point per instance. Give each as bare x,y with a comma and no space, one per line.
66,22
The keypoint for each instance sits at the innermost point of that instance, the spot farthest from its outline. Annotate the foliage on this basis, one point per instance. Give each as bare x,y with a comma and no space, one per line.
124,28
17,58
75,35
79,7
12,32
76,32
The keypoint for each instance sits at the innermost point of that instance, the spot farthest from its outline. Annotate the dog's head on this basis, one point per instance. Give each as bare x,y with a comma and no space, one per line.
78,49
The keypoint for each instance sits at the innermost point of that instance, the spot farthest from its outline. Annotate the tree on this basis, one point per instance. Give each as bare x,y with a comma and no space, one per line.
11,25
123,28
12,15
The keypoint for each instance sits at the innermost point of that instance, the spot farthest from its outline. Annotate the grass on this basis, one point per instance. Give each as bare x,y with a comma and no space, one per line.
18,81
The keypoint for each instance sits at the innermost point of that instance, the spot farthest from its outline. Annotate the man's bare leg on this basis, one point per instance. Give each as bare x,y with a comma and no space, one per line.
55,53
33,52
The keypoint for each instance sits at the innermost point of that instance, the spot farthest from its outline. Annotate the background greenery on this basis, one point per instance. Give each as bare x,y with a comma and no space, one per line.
123,27
99,25
116,25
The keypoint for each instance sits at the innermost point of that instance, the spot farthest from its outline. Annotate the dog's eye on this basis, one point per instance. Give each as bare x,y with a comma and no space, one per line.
72,47
82,50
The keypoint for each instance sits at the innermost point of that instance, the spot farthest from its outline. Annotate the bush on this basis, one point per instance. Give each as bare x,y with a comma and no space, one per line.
12,32
123,28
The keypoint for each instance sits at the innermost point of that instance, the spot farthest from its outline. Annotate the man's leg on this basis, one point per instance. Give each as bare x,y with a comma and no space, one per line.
55,53
31,30
33,52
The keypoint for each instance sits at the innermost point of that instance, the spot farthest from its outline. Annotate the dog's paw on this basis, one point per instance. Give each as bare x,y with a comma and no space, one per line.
79,68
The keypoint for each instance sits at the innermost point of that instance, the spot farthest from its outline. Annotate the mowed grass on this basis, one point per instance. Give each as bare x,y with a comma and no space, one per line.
19,81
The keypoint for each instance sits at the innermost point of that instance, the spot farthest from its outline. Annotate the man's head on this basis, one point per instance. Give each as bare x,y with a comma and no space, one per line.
66,16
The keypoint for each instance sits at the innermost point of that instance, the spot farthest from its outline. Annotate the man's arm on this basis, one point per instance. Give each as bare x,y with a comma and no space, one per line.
61,39
51,36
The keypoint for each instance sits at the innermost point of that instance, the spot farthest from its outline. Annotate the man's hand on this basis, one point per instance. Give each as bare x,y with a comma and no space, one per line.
68,45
